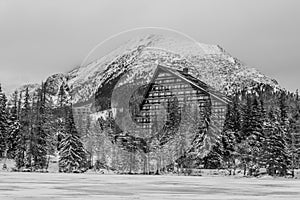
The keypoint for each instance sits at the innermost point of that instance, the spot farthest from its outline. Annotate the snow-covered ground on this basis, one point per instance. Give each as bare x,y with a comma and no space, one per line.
94,186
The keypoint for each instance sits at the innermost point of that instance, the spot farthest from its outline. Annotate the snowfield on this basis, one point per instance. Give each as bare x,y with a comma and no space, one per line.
94,186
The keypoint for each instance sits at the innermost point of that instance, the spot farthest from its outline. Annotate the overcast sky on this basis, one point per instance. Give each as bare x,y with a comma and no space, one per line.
42,37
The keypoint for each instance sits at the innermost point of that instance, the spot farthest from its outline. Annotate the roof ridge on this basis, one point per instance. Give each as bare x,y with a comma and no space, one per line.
203,86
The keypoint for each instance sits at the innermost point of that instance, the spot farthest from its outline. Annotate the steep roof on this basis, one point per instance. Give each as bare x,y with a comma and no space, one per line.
197,83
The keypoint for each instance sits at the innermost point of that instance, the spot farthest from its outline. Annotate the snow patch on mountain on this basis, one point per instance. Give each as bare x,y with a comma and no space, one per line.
138,58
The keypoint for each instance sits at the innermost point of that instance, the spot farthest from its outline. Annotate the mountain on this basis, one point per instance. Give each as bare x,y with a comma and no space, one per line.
139,57
54,82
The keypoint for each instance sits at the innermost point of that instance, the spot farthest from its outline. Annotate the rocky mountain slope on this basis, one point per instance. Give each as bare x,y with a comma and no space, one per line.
139,57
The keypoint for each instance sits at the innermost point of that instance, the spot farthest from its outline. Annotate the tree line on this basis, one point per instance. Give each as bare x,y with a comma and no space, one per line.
32,128
261,130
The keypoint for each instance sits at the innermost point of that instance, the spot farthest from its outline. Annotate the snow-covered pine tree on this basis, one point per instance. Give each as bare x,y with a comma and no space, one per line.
20,139
200,147
252,121
252,130
284,110
285,131
24,149
3,124
19,111
231,133
63,105
14,127
49,122
275,155
295,129
40,136
72,153
31,138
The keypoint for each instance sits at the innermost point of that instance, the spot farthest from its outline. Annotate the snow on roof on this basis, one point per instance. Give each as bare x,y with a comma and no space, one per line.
196,82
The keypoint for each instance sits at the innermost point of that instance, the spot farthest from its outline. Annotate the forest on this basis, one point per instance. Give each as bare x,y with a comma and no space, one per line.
261,130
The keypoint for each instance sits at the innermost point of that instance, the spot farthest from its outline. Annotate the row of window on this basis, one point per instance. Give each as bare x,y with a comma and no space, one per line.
145,126
168,81
148,117
168,87
143,120
156,103
159,94
168,93
147,120
164,74
148,125
219,110
152,107
218,117
217,103
181,101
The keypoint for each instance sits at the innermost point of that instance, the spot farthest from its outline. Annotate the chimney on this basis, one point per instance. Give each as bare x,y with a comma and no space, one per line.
185,71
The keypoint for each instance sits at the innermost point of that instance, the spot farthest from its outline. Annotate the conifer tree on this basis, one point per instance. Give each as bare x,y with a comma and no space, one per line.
296,132
285,131
198,146
209,150
3,124
23,156
19,106
20,137
40,135
275,154
63,105
14,127
252,122
49,122
72,153
231,133
252,130
284,120
234,118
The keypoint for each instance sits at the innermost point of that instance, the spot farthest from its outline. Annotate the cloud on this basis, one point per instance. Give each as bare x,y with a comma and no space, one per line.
39,38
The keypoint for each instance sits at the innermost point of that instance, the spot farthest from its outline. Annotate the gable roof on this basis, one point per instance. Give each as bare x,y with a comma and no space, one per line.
195,82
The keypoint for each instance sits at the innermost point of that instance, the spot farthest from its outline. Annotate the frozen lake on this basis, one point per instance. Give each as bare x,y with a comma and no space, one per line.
94,186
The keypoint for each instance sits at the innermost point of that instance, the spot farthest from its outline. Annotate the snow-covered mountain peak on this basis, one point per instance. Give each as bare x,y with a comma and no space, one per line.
139,56
210,63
